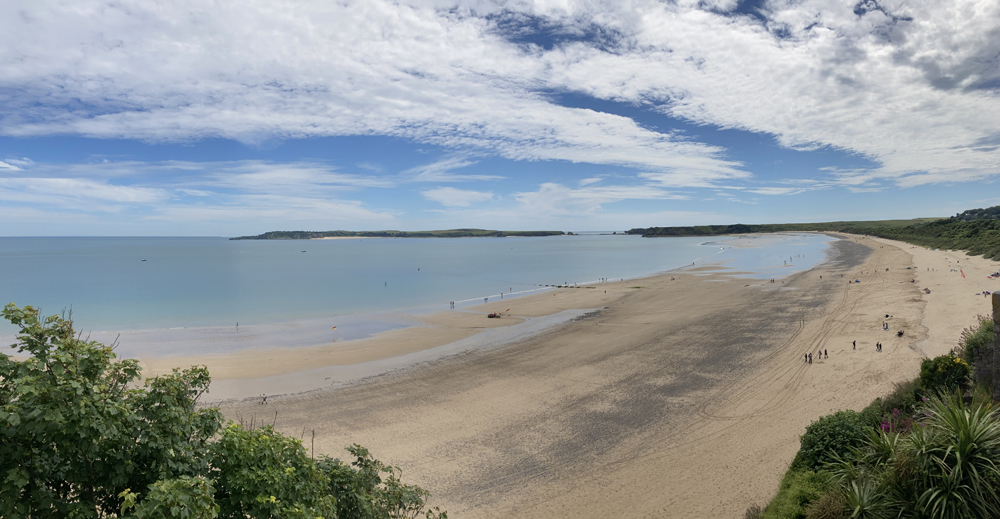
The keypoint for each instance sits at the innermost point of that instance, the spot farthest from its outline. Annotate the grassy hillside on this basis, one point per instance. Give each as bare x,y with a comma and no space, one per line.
976,231
714,230
449,233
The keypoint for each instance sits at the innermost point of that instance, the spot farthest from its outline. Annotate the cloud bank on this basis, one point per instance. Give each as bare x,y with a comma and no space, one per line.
912,85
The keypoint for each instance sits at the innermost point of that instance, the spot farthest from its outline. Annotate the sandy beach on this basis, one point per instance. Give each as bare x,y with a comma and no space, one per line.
680,395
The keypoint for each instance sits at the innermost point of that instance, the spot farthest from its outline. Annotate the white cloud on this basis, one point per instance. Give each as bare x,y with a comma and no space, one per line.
6,166
241,192
80,194
451,197
554,199
180,71
911,85
777,190
441,171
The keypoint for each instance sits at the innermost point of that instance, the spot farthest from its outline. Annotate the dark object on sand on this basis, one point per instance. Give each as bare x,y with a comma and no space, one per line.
496,315
899,333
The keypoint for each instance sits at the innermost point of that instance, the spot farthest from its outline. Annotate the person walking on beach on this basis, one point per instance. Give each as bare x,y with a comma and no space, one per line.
825,354
805,356
854,344
810,358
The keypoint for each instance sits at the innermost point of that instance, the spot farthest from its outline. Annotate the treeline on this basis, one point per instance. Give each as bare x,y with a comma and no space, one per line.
448,233
976,231
80,437
739,228
929,449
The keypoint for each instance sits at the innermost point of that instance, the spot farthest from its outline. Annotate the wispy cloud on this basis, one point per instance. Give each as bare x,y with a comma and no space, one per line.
451,197
441,171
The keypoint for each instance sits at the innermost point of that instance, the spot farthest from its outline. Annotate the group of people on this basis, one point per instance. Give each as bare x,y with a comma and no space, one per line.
821,354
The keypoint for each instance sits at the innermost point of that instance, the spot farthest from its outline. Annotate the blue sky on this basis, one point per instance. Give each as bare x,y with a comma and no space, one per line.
232,118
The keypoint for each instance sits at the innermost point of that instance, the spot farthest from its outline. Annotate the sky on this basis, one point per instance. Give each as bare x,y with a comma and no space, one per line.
236,117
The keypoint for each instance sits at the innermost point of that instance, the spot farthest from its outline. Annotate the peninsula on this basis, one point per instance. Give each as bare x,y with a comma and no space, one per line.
448,233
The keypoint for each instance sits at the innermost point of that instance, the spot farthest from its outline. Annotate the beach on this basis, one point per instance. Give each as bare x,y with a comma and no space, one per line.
678,395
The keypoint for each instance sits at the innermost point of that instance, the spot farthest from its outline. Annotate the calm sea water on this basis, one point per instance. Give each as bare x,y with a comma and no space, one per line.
186,282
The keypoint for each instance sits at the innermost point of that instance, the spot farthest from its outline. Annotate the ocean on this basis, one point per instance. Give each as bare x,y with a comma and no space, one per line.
118,283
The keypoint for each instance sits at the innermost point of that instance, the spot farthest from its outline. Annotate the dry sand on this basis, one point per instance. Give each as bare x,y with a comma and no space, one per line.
680,398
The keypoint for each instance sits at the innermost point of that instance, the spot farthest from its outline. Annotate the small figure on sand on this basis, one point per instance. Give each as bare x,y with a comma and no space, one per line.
810,358
854,344
825,354
263,398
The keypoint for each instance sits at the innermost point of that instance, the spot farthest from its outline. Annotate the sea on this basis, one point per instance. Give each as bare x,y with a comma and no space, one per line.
170,283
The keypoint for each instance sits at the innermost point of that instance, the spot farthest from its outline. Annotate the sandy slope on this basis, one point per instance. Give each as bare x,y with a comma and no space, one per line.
682,398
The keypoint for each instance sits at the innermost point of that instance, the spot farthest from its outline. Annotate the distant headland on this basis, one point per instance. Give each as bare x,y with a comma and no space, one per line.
448,233
976,231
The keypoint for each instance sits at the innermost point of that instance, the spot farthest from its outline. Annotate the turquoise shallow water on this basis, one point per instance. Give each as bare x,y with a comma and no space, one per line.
205,282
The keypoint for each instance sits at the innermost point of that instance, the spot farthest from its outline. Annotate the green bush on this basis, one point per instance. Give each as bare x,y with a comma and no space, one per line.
945,374
79,439
946,468
975,339
797,491
180,498
76,433
261,473
832,437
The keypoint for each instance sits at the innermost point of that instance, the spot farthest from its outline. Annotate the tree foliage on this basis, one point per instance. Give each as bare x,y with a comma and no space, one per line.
833,436
80,438
946,373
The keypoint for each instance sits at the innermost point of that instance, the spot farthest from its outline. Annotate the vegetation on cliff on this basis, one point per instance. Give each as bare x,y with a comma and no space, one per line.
976,231
930,449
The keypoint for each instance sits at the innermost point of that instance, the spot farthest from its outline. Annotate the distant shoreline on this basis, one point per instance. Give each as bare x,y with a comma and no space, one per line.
448,233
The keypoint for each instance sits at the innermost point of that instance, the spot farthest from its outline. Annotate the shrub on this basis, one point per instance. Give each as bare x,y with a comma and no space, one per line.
798,489
76,433
830,505
369,489
945,468
79,439
832,437
976,347
261,473
945,374
974,338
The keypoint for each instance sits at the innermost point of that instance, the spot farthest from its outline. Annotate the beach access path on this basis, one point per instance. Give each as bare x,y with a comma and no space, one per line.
683,397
